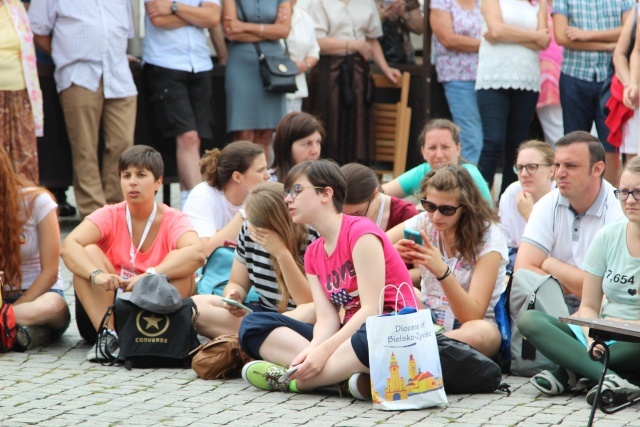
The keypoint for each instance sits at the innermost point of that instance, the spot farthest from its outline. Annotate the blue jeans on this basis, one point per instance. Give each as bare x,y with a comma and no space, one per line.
463,104
506,116
580,100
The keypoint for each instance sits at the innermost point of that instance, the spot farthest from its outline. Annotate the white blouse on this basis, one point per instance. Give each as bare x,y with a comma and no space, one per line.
510,65
302,43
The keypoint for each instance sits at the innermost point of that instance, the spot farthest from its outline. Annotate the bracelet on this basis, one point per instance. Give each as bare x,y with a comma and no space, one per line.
445,275
93,276
347,47
261,30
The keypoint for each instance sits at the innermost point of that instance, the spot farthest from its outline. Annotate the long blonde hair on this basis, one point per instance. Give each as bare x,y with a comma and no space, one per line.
266,208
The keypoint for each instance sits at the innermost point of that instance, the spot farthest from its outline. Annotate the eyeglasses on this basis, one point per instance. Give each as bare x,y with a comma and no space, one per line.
295,190
624,194
531,168
445,210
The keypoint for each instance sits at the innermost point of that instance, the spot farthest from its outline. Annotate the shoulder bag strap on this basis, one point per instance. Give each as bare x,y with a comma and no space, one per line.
257,45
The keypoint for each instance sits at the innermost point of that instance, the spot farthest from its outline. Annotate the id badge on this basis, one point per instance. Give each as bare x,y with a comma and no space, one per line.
127,271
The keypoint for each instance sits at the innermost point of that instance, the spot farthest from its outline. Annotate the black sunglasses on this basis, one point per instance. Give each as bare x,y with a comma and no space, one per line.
445,210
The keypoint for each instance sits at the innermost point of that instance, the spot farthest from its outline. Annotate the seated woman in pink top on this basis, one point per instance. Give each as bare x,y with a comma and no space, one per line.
347,269
118,244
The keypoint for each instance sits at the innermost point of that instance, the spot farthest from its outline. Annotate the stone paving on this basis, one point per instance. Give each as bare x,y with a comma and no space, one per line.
55,386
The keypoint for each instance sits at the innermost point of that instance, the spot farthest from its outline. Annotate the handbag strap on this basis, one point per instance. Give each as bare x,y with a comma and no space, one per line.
256,45
103,331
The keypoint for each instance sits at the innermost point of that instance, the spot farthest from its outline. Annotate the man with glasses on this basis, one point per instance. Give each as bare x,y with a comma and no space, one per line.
564,222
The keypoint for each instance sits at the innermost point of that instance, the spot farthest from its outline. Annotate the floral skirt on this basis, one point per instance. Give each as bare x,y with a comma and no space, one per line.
17,133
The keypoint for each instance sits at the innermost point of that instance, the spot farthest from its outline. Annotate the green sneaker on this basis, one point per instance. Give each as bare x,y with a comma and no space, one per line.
265,375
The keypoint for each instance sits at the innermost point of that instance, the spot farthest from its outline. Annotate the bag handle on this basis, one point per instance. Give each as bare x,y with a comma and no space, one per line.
102,333
256,45
398,292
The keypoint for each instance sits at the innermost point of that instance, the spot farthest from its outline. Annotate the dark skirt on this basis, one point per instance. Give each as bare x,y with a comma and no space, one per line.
17,133
340,94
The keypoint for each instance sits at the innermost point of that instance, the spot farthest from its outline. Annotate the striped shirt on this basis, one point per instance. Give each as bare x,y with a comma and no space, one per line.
590,15
261,270
90,43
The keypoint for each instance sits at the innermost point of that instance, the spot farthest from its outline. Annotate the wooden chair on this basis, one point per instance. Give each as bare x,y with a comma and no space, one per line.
392,123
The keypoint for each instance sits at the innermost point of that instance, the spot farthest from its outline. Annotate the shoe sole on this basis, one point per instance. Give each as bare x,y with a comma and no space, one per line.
360,388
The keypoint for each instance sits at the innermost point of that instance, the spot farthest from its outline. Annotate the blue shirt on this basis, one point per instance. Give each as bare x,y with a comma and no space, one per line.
183,49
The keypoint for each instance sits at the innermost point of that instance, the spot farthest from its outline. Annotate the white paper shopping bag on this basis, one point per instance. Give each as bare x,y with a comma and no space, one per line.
404,361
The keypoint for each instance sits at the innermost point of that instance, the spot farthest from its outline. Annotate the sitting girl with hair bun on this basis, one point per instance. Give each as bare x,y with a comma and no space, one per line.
213,206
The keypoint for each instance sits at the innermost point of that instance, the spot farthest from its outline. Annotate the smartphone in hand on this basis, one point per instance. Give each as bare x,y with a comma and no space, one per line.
236,304
290,371
414,235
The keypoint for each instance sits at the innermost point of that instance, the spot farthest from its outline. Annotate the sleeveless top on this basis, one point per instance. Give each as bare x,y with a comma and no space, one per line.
510,65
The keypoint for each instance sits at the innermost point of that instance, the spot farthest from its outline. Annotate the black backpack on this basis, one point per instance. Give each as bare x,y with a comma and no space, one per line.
153,340
465,370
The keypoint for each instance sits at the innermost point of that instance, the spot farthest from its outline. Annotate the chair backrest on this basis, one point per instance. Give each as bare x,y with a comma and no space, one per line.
392,123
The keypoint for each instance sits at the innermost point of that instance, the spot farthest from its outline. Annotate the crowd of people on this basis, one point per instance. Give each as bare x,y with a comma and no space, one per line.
316,236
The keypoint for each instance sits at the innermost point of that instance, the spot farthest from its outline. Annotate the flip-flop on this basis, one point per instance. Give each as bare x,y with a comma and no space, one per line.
555,386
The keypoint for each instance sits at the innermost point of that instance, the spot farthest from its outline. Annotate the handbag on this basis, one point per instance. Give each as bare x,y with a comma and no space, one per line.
152,340
220,358
403,359
278,72
465,370
8,327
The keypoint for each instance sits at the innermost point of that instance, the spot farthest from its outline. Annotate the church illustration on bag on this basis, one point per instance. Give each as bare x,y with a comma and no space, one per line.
419,382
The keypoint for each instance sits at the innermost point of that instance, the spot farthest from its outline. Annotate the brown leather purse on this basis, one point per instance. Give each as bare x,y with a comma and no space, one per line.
220,358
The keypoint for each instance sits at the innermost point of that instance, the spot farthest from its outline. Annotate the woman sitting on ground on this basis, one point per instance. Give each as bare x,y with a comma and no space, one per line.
364,198
229,174
30,258
299,138
333,350
535,168
439,145
118,244
462,260
269,257
608,292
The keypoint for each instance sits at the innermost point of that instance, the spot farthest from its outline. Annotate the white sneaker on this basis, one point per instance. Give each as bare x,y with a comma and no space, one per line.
360,386
615,390
105,350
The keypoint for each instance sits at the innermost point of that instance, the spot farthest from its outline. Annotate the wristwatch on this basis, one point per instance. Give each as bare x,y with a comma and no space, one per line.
151,270
174,7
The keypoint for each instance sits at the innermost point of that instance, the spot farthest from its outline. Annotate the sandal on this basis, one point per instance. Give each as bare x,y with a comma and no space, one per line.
555,386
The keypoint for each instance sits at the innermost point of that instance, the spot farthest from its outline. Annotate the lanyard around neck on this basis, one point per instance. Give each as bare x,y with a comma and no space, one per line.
132,251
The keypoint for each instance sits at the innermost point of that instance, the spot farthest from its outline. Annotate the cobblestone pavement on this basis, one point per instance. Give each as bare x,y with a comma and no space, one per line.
55,386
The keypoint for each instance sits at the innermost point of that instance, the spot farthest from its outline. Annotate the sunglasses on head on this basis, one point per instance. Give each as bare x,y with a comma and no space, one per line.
445,210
